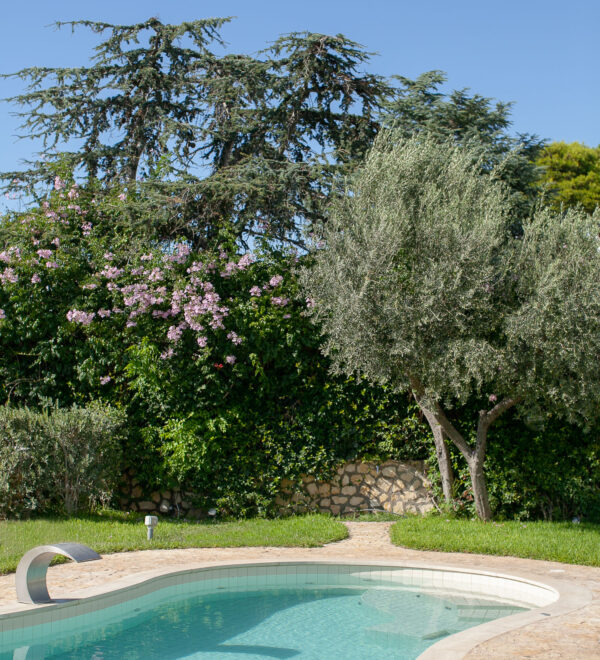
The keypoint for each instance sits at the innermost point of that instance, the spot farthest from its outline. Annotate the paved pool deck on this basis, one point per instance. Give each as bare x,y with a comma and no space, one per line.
571,636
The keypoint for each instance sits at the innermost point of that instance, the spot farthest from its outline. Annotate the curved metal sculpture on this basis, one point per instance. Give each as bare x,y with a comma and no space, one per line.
31,571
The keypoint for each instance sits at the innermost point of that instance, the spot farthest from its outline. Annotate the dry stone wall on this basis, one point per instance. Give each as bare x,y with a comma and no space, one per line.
396,487
393,486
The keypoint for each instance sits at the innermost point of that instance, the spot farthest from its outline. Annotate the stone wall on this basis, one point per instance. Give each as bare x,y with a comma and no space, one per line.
397,487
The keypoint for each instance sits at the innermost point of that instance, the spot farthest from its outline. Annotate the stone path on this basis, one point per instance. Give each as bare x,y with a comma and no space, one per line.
574,636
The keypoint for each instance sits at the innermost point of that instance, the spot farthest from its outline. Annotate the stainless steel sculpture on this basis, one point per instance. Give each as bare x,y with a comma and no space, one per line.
31,571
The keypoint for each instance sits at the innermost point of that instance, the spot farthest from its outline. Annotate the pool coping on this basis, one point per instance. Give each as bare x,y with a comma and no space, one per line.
569,597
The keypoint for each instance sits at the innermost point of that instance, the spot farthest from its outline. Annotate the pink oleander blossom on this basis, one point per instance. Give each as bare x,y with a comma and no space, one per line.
245,261
147,257
279,302
202,341
276,280
44,254
174,333
111,272
492,398
59,184
51,264
35,279
9,275
104,313
230,359
90,286
2,314
310,302
55,241
78,316
167,354
234,338
122,197
255,291
105,379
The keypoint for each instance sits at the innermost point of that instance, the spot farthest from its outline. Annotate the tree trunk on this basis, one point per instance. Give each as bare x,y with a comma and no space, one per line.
475,456
442,453
480,493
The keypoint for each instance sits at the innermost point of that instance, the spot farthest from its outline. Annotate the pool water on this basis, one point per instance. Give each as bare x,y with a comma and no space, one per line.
233,619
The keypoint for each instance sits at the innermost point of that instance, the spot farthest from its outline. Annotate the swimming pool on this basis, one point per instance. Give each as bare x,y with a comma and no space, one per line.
258,611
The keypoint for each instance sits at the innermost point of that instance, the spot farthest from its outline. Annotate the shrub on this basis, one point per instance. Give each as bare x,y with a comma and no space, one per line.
58,460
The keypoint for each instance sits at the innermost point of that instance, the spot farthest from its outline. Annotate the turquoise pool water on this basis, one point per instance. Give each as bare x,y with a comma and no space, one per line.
291,615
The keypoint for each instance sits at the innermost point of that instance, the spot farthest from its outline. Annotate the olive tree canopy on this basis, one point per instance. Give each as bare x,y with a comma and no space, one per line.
420,283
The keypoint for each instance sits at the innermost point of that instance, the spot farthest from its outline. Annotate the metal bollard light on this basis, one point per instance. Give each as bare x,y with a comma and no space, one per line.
151,522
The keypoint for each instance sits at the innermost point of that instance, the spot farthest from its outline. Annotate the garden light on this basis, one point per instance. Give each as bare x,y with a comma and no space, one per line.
151,522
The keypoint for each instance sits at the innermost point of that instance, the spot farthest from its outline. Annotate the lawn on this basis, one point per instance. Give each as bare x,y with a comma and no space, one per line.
118,532
565,542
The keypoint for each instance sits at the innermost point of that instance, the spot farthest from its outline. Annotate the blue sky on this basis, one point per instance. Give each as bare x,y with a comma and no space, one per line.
541,54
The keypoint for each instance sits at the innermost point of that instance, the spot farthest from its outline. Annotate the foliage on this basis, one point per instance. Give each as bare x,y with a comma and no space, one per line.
255,144
422,284
209,352
565,542
571,172
62,459
112,531
417,107
206,138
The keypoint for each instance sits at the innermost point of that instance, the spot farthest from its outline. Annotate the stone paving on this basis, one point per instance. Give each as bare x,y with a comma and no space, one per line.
573,636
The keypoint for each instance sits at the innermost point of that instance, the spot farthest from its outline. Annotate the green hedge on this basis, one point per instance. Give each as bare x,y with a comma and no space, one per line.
58,460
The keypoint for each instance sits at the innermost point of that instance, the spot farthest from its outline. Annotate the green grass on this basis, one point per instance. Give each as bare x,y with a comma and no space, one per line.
555,541
119,532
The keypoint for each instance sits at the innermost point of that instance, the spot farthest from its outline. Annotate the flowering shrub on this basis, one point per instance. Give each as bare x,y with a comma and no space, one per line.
210,353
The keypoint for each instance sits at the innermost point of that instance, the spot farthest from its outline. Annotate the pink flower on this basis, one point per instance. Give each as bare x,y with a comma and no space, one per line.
174,333
167,354
35,279
86,228
255,291
77,316
58,183
51,264
73,193
105,379
202,341
104,313
9,275
310,302
493,398
122,197
44,254
109,256
245,261
276,280
234,338
2,314
279,302
147,257
230,359
90,286
55,241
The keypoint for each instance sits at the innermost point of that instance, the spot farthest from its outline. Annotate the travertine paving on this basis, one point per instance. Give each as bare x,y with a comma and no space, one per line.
573,636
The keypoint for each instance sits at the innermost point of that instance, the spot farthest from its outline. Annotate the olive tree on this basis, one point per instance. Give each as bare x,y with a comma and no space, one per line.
419,282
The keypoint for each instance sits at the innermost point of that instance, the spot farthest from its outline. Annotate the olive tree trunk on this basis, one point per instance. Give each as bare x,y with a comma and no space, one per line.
475,456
